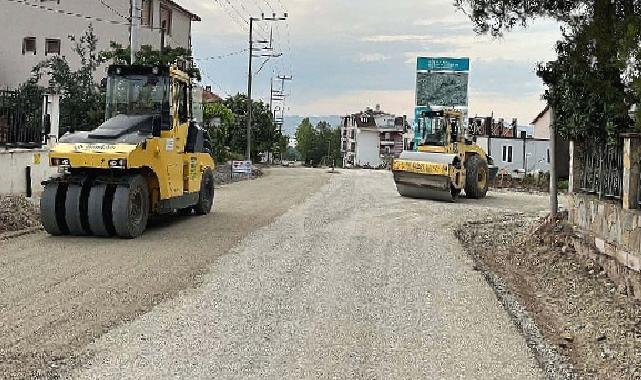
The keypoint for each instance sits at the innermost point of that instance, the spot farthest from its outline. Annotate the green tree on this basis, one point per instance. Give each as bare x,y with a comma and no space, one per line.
304,139
596,78
219,119
264,133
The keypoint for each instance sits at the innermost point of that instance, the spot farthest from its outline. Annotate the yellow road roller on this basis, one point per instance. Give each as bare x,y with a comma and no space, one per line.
148,157
445,163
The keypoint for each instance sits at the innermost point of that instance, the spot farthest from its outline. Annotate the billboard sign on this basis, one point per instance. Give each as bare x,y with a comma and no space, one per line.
441,82
441,89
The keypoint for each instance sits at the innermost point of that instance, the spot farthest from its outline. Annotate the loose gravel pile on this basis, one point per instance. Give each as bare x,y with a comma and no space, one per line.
579,310
17,214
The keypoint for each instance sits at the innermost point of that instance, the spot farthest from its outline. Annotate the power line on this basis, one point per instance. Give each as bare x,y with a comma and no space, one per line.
269,5
231,16
217,57
113,10
68,13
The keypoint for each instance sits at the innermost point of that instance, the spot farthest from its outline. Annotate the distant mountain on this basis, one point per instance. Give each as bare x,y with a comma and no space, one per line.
292,122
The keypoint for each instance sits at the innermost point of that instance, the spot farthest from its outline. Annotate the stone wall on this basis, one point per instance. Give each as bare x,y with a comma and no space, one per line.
610,235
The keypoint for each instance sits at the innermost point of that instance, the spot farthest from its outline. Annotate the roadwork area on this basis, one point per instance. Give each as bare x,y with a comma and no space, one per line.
59,294
356,282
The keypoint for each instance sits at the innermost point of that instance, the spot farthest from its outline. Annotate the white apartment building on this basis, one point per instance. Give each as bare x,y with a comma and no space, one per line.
37,29
371,138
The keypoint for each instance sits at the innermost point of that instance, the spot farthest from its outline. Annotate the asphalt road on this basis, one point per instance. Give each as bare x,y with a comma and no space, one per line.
57,295
355,283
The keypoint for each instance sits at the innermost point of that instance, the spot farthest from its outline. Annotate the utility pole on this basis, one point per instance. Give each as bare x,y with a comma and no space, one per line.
249,88
134,43
554,201
250,73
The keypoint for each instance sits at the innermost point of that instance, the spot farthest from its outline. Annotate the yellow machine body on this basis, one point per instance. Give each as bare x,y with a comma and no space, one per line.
149,156
442,166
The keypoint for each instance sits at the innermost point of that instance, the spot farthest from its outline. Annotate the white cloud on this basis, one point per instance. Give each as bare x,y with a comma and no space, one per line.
337,70
373,57
398,38
399,102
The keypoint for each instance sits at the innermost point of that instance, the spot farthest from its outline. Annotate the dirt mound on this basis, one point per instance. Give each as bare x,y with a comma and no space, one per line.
579,309
17,213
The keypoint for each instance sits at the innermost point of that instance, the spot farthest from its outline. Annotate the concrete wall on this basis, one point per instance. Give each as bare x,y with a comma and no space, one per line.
537,151
368,148
613,233
20,21
13,164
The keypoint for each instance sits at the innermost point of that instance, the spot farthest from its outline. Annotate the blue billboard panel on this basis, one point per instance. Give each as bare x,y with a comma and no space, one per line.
442,64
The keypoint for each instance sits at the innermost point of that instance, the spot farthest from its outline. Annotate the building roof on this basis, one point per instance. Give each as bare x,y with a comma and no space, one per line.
194,17
210,97
540,115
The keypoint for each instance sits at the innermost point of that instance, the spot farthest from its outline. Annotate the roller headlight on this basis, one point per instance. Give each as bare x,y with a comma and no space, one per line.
119,163
60,162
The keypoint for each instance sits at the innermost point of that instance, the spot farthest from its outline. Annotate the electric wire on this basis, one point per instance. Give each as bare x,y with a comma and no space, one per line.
68,13
109,7
222,56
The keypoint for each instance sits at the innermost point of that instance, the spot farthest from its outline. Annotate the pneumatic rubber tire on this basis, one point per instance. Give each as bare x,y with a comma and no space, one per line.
52,209
100,198
206,194
477,178
130,208
76,205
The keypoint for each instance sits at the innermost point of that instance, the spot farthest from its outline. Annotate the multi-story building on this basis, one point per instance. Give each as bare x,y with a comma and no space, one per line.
371,138
36,30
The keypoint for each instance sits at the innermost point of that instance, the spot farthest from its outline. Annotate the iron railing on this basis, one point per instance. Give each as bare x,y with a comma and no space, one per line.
20,120
603,170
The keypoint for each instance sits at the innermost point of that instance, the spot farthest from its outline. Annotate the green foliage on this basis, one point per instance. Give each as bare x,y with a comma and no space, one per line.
318,145
291,154
148,56
597,76
219,120
264,134
304,136
83,102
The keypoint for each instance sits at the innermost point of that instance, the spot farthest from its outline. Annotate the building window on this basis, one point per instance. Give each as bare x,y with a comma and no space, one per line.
165,18
507,153
147,17
29,45
548,155
52,46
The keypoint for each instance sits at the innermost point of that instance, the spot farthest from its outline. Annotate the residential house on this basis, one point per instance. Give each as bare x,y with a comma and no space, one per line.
519,150
37,30
371,138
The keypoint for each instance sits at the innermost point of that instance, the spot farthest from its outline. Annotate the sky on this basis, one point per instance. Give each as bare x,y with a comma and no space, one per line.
346,55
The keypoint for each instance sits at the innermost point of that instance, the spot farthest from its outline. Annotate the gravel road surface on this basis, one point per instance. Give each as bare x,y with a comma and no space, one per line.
355,283
59,294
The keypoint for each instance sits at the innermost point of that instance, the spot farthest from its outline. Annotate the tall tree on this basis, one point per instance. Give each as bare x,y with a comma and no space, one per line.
264,133
596,78
219,120
304,139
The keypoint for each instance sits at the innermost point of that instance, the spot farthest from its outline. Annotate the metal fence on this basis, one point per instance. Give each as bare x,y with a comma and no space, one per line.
602,172
20,120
